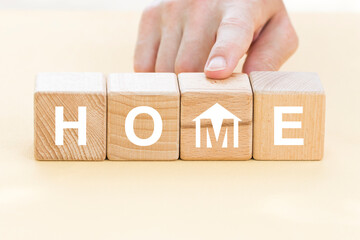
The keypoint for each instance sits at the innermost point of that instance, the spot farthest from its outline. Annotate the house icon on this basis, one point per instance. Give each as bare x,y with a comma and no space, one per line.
217,114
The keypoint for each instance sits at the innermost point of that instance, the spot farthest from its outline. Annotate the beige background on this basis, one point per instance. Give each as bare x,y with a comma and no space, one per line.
172,200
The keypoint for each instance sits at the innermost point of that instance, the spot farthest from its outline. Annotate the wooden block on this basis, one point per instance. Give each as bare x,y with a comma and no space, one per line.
216,117
289,116
143,116
70,116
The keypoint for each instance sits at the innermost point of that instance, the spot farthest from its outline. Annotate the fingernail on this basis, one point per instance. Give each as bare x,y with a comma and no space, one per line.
216,64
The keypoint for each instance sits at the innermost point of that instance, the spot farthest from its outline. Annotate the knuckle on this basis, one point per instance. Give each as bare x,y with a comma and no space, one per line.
170,13
150,11
293,39
290,36
200,5
240,23
170,5
224,46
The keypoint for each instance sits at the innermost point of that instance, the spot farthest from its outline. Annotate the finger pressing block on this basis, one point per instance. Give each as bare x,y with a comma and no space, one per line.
216,117
70,116
143,116
289,116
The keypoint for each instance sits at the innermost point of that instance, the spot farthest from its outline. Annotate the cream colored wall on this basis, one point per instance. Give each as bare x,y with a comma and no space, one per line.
293,5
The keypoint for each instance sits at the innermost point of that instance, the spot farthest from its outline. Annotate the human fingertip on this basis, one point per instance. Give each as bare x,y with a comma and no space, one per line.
219,75
216,64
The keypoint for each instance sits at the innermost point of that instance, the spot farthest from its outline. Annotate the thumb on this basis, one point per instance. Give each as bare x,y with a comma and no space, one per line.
276,43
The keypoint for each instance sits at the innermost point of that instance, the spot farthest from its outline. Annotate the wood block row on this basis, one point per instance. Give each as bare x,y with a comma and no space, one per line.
159,116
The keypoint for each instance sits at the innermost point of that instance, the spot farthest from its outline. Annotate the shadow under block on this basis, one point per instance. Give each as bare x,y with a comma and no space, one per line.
70,116
289,116
143,116
216,117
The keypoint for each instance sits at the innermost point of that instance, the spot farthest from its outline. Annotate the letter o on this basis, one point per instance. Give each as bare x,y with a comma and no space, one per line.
129,126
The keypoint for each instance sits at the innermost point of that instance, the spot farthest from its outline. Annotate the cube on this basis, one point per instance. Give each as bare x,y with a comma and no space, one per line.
216,117
143,116
70,116
289,116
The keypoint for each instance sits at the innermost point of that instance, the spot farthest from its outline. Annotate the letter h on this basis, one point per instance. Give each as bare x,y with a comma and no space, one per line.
60,125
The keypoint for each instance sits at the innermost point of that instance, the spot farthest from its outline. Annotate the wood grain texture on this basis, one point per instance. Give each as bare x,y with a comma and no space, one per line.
288,89
128,91
198,94
46,98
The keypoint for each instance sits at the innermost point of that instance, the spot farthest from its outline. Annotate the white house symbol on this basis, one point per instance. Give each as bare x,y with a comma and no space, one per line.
217,114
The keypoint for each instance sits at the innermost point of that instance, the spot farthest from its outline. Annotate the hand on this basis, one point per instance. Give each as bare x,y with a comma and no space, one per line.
213,35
